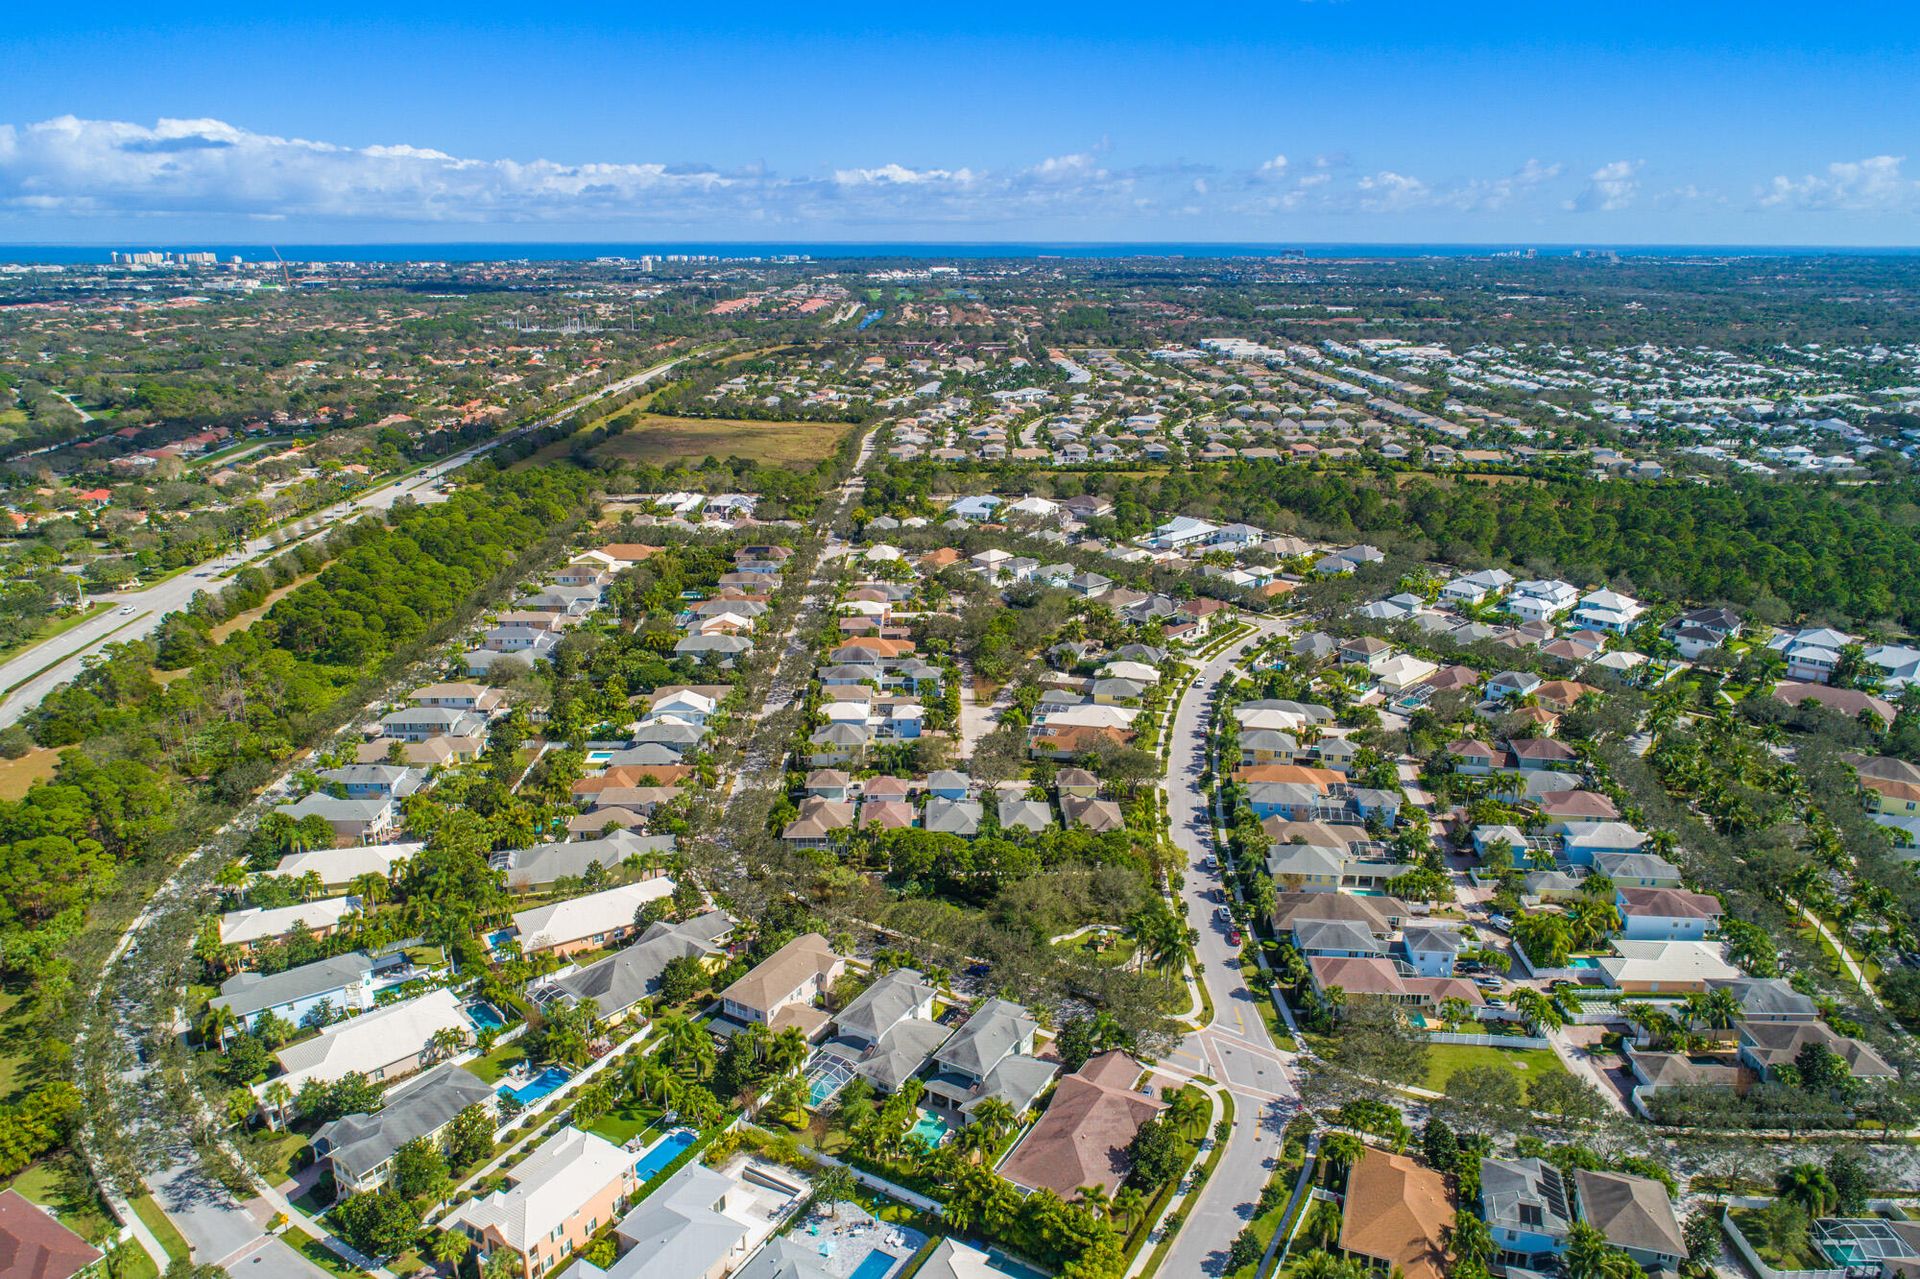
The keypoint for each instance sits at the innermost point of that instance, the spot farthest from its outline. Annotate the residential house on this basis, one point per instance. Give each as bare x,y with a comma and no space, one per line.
1666,914
384,1044
419,723
1665,967
1634,1214
1083,1138
1397,1215
1527,1206
620,981
592,922
574,1183
343,983
781,989
1765,1046
354,819
255,925
35,1245
359,1149
991,1055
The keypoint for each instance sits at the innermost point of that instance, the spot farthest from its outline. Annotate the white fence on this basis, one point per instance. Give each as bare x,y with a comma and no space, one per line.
1489,1041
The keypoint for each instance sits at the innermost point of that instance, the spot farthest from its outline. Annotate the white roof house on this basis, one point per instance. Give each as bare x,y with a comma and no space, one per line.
255,924
1667,965
569,1170
1403,671
578,918
380,1044
1182,530
337,866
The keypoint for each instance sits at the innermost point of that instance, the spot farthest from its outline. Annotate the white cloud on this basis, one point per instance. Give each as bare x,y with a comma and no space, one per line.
1873,185
1272,170
1389,192
1609,188
899,175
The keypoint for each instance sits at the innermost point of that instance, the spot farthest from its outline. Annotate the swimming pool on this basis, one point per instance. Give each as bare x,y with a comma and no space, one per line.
663,1152
1583,961
875,1265
599,757
485,1016
540,1086
929,1128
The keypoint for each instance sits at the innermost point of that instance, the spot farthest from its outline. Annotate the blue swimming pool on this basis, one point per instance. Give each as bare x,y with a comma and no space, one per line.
541,1086
875,1265
1583,961
485,1016
929,1128
663,1152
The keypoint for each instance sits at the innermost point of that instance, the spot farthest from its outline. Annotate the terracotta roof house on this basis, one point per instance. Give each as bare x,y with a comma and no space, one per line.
35,1246
1397,1215
1083,1137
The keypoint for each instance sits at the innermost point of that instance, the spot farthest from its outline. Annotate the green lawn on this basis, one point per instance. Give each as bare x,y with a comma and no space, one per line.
624,1123
165,1231
491,1067
1526,1063
1802,1258
276,1155
318,1253
59,1184
1109,949
1267,1223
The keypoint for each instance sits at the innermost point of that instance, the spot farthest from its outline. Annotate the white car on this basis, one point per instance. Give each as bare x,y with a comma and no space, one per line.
124,609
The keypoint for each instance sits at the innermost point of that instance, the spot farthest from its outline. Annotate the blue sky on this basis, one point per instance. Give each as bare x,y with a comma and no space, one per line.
1358,120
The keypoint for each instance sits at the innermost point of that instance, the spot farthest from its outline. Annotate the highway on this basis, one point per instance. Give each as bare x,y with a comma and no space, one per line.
136,614
1234,1049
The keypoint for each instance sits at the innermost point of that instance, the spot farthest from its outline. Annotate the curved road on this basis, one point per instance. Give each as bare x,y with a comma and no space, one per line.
136,614
1234,1049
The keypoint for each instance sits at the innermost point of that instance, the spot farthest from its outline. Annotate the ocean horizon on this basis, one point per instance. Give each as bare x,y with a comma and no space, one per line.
69,254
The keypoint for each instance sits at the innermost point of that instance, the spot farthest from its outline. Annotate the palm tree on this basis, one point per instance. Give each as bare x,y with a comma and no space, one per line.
450,1247
1590,1256
788,1050
1096,1200
372,888
1338,1154
216,1022
1469,1240
1189,1111
1128,1204
995,1118
1809,1186
1538,1009
789,1096
278,1097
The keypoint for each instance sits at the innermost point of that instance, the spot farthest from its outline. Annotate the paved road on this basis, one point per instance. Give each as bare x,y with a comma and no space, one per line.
1235,1048
138,613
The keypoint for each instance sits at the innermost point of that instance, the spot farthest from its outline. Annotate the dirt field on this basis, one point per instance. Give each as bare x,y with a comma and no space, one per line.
661,440
18,774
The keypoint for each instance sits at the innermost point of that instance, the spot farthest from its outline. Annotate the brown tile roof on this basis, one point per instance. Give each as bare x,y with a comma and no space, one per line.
1082,1140
35,1246
1320,778
1671,903
1397,1212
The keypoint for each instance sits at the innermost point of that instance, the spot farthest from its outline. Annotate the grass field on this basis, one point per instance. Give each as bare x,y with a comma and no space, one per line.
1527,1064
164,1230
60,1184
658,440
16,775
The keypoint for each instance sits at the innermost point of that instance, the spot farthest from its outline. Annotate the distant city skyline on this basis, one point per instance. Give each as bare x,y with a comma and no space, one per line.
1369,121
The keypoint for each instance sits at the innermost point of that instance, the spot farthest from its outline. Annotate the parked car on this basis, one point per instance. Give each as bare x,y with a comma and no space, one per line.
1500,922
